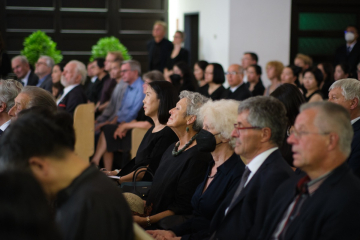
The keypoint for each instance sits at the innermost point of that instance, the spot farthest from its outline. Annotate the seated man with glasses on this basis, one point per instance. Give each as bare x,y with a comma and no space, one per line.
258,132
237,90
323,204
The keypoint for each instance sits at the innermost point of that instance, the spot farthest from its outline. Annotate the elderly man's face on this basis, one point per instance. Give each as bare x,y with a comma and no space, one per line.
127,75
41,68
309,144
19,68
21,101
336,96
158,31
247,140
69,75
233,76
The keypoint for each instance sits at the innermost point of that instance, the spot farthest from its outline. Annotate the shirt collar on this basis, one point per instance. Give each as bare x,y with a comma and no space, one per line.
233,89
351,45
136,83
257,161
26,76
66,91
5,125
354,120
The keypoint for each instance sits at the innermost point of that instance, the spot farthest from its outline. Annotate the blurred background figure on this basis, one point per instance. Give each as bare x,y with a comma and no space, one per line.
273,72
328,78
341,71
199,72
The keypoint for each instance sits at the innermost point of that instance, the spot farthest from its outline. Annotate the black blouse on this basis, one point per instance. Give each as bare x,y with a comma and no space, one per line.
150,151
176,180
183,56
218,94
258,89
205,204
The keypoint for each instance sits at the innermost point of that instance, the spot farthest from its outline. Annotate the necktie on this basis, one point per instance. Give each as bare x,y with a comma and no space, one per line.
241,185
348,50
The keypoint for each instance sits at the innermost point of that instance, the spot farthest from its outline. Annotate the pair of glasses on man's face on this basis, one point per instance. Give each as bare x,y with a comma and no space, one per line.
238,128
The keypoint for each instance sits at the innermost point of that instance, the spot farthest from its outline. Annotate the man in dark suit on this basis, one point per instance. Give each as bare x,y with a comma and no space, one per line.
349,53
43,69
73,75
159,48
258,134
323,204
346,92
21,68
237,90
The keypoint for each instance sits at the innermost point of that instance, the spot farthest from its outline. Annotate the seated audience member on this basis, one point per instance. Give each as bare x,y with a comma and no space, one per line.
249,58
9,89
346,92
21,68
111,57
259,133
57,87
290,74
238,89
25,212
199,72
341,71
90,78
32,96
178,54
43,68
159,99
223,173
254,83
312,79
273,72
128,111
328,73
214,78
304,62
88,205
292,99
74,74
182,166
182,77
323,204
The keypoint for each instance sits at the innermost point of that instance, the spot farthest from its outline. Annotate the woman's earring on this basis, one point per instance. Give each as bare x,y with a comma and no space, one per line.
187,129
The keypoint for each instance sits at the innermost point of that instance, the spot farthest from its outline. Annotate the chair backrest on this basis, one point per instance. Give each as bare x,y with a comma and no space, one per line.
140,234
137,136
84,125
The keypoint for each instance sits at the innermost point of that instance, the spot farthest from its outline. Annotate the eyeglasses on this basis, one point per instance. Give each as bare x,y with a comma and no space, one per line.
238,128
39,63
124,71
231,73
299,134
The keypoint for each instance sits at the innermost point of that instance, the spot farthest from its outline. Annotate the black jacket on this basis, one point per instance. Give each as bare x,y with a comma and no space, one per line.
75,97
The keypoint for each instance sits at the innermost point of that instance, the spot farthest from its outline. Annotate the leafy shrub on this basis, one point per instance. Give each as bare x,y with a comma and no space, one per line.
107,44
37,44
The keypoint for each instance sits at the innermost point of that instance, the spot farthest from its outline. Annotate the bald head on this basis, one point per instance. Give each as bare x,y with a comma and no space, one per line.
235,75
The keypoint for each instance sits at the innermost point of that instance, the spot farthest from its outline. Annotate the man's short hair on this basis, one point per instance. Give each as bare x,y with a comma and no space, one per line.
253,56
162,23
305,58
154,75
332,117
100,62
134,65
118,55
22,59
49,61
39,98
9,89
278,67
36,133
350,88
262,114
80,69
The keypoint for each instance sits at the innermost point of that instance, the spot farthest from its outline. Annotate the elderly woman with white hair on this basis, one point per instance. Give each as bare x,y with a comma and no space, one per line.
223,174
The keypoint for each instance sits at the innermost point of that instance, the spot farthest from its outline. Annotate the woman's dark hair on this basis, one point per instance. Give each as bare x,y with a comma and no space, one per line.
202,64
25,212
61,66
59,87
292,98
329,71
218,74
189,81
317,74
100,62
168,97
345,67
257,69
296,72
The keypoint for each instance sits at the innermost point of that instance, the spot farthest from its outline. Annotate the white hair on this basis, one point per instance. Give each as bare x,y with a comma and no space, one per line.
9,89
49,61
350,88
80,69
22,59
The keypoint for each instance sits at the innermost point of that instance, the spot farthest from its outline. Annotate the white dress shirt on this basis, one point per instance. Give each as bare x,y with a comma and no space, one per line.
354,120
5,125
25,80
66,91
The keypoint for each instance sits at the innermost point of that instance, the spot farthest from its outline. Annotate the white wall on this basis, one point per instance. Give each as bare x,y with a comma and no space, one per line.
228,28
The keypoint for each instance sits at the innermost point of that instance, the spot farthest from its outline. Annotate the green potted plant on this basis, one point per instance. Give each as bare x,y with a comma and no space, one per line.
37,44
107,44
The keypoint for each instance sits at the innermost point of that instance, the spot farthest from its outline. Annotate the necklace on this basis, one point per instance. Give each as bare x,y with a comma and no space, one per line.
175,151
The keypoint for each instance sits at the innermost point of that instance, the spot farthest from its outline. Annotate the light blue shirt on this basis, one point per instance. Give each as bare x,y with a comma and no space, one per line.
132,102
41,81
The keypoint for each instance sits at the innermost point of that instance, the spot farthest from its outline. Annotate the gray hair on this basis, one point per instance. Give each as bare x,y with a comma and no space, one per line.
39,98
134,65
266,112
9,89
154,75
350,88
49,61
22,59
194,101
80,69
221,116
332,117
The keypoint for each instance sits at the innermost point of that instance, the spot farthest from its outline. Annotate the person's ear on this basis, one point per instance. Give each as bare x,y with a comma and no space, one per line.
265,134
354,103
39,167
2,107
191,119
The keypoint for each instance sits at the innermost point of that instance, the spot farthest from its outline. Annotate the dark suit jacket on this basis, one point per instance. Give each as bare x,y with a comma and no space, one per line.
245,219
47,84
241,93
33,79
258,89
166,48
354,158
75,97
352,59
332,212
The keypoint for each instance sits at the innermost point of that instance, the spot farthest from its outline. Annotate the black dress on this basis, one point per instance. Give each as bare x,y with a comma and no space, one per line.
258,89
218,94
183,56
150,151
205,204
308,98
176,180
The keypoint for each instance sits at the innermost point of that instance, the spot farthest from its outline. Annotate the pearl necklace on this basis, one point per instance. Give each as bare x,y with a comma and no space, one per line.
175,151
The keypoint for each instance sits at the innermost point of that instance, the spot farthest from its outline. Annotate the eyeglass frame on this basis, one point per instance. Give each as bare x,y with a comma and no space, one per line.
244,128
298,134
232,73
